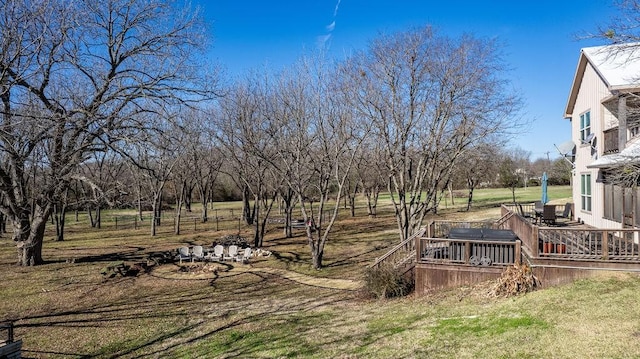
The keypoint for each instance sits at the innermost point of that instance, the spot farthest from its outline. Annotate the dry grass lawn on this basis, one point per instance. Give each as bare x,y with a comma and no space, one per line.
278,307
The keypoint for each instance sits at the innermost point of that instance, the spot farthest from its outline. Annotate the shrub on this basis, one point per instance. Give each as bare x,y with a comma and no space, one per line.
386,282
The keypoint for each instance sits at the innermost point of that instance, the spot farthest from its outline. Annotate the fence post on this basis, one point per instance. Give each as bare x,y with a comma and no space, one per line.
116,218
135,222
195,224
217,220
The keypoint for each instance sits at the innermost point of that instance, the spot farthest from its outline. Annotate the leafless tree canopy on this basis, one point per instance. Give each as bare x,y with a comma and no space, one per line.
429,99
77,77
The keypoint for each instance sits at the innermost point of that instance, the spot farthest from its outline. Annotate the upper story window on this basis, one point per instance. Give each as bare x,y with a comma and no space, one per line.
585,192
585,125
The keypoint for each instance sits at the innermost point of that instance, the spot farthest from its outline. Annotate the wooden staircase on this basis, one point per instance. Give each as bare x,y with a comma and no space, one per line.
499,224
403,255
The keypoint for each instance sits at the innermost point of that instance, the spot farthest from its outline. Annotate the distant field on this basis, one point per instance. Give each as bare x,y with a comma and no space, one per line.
279,307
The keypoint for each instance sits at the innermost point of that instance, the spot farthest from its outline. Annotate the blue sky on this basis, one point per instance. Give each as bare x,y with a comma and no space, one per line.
540,38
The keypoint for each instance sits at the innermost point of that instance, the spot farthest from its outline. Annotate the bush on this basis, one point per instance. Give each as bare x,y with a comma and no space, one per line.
386,282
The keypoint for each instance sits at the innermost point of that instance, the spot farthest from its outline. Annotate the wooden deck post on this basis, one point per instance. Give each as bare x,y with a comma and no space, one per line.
467,251
419,245
605,245
518,252
533,243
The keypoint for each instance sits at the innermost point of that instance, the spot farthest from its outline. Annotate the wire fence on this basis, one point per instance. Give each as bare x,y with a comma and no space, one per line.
190,222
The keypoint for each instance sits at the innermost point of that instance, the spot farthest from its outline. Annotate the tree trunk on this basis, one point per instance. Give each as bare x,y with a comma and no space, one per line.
372,200
316,250
140,202
155,220
188,197
352,205
204,196
471,185
288,198
247,211
180,198
30,235
3,224
470,199
60,211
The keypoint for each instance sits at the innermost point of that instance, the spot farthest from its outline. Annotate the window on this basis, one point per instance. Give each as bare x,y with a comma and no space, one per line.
585,125
585,192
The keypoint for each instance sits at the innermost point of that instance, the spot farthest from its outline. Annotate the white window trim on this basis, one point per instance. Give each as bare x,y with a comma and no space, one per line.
583,195
581,117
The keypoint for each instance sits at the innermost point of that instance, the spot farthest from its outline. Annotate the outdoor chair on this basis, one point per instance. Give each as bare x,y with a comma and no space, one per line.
549,214
567,211
197,253
183,253
232,253
538,205
217,254
245,256
525,215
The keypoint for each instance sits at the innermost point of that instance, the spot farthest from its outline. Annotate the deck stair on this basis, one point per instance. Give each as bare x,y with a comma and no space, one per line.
502,220
402,255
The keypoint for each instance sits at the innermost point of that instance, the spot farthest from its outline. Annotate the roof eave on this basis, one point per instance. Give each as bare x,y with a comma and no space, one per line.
575,86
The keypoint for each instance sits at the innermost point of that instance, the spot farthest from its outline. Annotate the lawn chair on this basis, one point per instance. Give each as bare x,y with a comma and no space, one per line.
197,253
232,253
549,214
567,211
525,215
183,253
217,254
245,256
538,205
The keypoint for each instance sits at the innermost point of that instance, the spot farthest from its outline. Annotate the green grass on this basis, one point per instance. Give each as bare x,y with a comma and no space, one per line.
69,310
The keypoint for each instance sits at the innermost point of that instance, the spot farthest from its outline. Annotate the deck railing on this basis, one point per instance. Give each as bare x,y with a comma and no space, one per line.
8,328
526,231
574,243
578,243
469,252
401,252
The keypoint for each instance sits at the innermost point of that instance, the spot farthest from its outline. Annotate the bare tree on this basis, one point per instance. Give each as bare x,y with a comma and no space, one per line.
241,131
513,169
429,99
479,166
317,138
74,78
370,174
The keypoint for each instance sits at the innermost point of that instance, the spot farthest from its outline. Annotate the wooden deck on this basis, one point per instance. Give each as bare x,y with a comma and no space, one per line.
9,348
557,254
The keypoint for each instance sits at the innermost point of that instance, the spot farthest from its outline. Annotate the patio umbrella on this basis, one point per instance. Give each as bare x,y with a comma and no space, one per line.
545,196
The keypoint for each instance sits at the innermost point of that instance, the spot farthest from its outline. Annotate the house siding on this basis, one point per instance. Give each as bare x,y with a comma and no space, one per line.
589,98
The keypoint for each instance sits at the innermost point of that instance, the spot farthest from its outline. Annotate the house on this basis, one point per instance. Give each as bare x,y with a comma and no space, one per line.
604,110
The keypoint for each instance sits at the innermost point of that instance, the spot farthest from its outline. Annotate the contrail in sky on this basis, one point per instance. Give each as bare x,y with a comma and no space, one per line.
322,40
